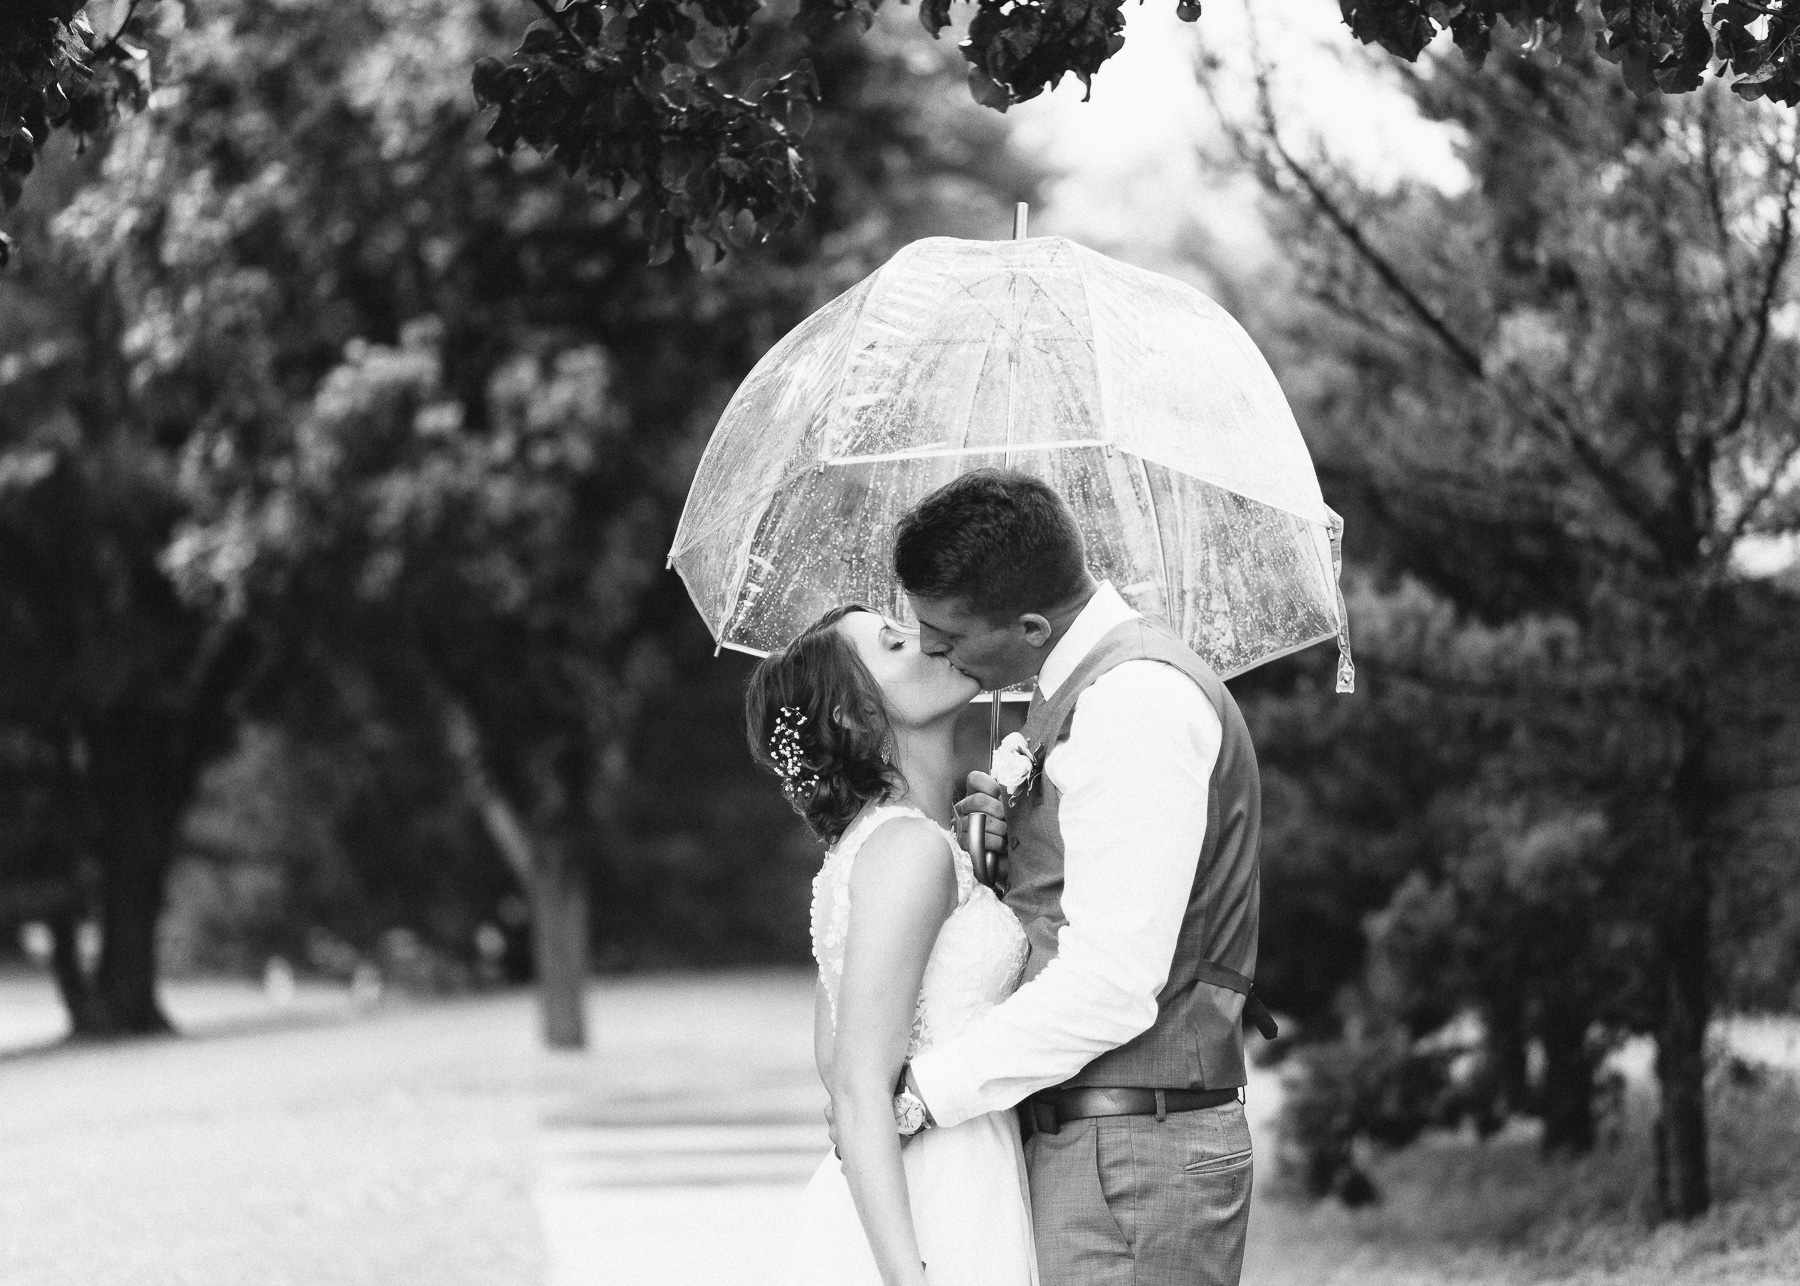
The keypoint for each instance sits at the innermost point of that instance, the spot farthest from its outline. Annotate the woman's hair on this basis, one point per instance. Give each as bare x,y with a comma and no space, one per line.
815,718
1001,541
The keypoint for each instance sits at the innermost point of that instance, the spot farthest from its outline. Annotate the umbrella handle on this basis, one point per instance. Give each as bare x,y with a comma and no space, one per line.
979,857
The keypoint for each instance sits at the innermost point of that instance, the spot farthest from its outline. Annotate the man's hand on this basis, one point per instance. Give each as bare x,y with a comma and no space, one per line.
988,797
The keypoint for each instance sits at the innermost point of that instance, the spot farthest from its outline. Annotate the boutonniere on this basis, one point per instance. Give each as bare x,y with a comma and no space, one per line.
1014,766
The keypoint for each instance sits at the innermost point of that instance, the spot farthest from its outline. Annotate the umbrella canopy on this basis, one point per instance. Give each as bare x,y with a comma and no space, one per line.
1139,399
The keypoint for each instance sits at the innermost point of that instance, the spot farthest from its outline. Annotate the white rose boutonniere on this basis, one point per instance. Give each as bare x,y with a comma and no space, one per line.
1013,765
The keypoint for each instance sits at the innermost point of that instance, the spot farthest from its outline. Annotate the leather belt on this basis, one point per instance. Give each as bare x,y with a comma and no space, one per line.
1048,1109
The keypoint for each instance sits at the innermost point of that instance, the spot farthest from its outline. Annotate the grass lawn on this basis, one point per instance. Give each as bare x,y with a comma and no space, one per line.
1456,1210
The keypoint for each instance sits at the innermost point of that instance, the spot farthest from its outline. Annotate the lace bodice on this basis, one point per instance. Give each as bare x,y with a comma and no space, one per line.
975,963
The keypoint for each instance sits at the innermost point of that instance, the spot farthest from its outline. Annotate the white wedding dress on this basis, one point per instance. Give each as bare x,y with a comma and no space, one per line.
970,1205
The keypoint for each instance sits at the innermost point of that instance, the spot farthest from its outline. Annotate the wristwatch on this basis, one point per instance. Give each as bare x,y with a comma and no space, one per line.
909,1112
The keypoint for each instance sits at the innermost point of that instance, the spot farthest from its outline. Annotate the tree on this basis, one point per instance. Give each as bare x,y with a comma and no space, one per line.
123,691
1568,397
422,414
670,104
711,154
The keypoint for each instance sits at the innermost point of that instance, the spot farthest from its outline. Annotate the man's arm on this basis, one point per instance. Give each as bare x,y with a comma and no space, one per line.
1133,776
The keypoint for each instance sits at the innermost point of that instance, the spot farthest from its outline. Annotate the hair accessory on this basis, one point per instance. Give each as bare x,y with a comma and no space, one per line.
788,755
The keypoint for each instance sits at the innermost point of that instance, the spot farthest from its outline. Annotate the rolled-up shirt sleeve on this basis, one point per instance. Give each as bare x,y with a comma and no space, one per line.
1133,778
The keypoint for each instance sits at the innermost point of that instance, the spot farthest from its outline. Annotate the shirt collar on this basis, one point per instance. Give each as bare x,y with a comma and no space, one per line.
1104,610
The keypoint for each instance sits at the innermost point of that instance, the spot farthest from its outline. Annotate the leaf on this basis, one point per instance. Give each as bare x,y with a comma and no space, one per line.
934,16
741,229
987,91
1188,10
701,249
541,37
489,81
709,47
1732,11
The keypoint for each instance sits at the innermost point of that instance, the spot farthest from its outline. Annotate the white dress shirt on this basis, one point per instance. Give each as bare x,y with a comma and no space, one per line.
1133,777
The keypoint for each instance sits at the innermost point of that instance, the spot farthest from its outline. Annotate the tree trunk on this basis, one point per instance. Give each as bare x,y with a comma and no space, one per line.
1681,1151
559,923
65,965
1681,1160
123,1000
141,786
1506,1050
1567,1101
551,878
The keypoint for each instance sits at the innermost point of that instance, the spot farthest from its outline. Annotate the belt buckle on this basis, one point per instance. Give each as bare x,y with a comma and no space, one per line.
1043,1117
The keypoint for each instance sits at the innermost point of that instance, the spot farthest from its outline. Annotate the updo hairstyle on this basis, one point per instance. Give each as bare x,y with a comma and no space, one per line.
814,717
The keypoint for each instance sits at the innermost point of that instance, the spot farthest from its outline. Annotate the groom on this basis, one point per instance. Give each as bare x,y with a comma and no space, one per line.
1133,869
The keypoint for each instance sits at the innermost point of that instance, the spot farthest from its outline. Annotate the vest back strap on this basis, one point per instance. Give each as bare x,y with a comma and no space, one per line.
1255,1012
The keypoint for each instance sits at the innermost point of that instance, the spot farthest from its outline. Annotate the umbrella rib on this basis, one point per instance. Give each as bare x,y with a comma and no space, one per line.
1094,352
835,402
1162,559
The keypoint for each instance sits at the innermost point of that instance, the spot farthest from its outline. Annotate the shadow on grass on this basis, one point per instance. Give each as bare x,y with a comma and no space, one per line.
218,1029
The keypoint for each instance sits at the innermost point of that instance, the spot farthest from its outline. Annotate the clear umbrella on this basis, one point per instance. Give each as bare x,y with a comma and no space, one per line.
1134,395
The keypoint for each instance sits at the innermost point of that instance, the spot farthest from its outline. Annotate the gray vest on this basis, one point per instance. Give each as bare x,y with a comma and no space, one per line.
1197,1041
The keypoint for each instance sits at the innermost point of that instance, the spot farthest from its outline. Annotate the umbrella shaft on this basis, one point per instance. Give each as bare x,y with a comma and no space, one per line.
985,864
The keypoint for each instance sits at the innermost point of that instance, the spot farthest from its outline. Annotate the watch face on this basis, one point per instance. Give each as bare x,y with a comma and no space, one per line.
909,1112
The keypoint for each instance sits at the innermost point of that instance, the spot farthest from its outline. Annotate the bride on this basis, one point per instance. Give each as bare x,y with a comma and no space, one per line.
858,723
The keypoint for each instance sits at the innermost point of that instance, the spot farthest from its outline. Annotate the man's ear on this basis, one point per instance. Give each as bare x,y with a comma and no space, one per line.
1034,629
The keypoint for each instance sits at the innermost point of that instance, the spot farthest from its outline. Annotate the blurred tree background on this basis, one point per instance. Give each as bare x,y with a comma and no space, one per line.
341,459
339,454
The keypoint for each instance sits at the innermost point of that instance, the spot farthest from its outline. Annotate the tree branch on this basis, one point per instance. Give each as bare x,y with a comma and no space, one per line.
1779,253
501,821
1347,228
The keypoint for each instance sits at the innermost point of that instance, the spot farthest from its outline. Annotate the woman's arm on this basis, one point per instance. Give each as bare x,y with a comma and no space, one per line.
822,1032
901,890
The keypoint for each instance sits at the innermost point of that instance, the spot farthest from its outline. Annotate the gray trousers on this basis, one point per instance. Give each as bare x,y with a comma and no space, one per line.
1133,1201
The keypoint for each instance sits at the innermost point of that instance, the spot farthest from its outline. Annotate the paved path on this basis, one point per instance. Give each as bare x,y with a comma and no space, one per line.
313,1142
674,1151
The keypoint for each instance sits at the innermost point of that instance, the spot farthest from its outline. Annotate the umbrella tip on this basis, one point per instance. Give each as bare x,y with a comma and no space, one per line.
1021,215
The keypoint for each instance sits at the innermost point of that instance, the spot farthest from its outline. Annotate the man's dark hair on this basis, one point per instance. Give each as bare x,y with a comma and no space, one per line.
1000,541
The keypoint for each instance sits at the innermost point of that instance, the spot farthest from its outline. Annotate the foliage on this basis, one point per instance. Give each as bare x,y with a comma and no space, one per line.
1458,1208
694,111
1559,405
1371,1086
56,73
665,103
